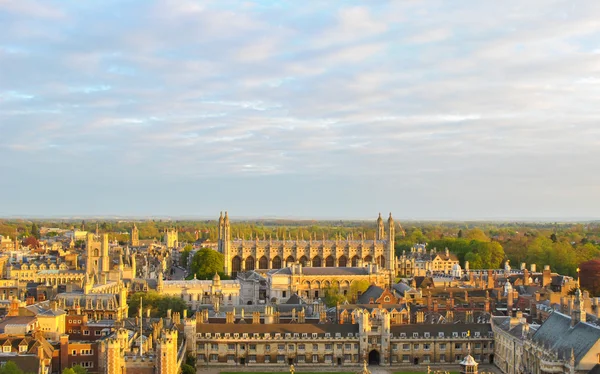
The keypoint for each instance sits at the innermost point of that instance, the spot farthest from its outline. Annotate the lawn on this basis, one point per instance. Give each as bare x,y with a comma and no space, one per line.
421,372
287,372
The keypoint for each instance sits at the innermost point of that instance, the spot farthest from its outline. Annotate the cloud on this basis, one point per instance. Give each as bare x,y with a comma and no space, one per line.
476,97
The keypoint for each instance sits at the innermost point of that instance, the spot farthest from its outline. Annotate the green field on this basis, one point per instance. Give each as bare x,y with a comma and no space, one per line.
287,372
421,372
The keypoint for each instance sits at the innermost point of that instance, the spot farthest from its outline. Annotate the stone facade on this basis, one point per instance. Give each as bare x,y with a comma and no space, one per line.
244,255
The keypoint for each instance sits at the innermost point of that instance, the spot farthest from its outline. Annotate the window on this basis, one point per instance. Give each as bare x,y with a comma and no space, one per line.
315,347
426,346
87,364
300,347
347,358
86,352
457,346
339,346
427,358
280,359
477,345
267,347
97,332
328,359
253,347
348,346
267,359
22,348
201,346
416,347
457,358
281,347
291,347
406,347
328,347
426,334
230,358
443,347
202,357
214,357
464,334
73,352
405,358
442,358
284,294
315,358
455,335
230,347
301,359
252,358
415,334
214,347
86,332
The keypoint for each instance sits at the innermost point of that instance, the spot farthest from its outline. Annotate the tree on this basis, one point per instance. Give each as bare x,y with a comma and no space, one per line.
31,242
333,296
10,368
206,262
157,303
187,369
356,288
35,230
68,371
185,255
78,369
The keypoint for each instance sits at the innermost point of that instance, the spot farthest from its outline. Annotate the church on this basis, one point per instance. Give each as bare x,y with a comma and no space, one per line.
246,255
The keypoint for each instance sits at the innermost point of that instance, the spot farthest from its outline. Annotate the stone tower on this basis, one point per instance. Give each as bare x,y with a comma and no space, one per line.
166,353
171,238
225,241
578,312
390,255
114,359
135,236
380,229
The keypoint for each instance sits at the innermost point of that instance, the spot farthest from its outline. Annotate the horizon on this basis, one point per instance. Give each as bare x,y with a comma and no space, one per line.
461,111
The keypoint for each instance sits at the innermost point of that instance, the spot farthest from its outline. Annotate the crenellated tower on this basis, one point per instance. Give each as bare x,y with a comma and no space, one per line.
380,229
390,256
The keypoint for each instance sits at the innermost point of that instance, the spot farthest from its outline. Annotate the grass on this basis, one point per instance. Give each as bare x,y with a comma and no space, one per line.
421,372
287,372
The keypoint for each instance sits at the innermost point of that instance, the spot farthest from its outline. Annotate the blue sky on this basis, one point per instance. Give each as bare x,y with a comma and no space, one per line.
428,109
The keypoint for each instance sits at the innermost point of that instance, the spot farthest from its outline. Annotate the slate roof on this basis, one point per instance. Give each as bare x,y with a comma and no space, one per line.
309,328
557,333
373,292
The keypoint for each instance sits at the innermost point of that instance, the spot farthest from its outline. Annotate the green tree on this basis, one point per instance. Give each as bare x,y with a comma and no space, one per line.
35,230
78,369
68,371
10,368
206,262
333,296
356,288
187,369
157,303
185,255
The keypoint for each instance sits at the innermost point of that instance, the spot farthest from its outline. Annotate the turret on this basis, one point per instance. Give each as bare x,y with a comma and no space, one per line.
390,255
578,312
380,234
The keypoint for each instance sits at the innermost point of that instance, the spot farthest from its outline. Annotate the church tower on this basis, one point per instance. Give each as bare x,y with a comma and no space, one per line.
380,229
225,242
578,312
390,255
135,236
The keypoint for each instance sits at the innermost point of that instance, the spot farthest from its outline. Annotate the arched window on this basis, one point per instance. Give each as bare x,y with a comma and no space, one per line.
330,262
276,262
250,263
263,263
316,262
343,261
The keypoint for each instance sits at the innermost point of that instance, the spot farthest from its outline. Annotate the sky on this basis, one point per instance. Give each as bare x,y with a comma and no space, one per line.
300,109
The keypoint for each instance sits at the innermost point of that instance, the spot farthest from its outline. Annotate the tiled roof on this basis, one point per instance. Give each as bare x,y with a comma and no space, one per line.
557,333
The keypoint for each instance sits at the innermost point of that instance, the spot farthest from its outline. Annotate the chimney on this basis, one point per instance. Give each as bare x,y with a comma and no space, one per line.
546,276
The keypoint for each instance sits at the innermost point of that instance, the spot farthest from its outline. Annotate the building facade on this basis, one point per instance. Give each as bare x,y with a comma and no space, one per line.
244,255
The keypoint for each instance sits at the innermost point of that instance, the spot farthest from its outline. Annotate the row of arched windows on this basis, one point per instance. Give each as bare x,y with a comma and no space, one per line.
277,263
